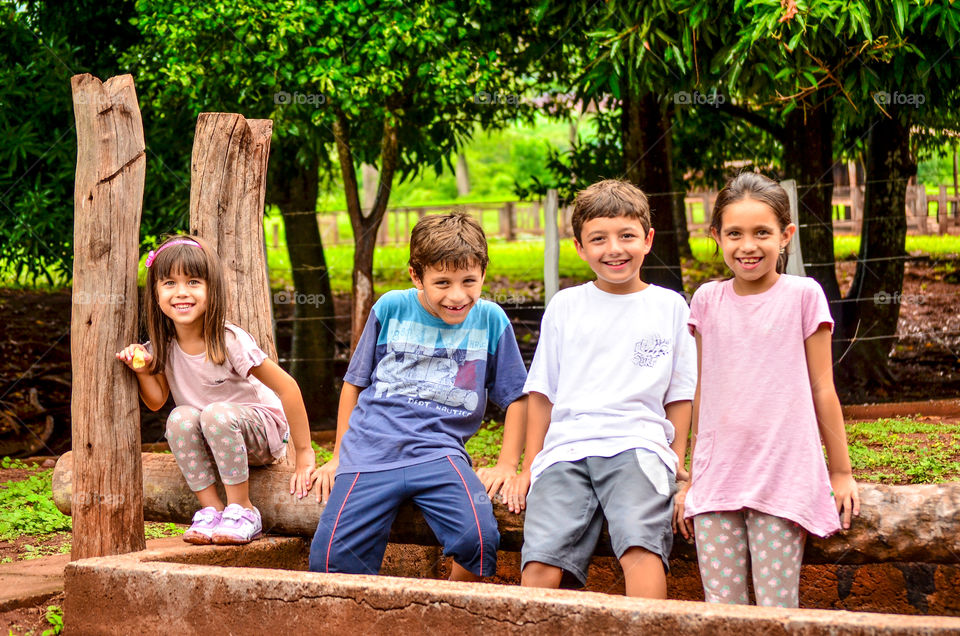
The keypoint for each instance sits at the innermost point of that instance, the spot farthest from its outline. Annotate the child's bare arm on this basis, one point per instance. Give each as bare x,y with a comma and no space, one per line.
539,408
153,388
287,389
349,395
495,478
679,415
830,421
685,526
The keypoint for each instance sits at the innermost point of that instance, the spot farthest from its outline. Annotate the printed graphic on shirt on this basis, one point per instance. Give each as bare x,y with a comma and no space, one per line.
647,351
432,364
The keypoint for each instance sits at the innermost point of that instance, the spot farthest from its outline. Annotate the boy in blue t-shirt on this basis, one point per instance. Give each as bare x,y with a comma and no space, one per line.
414,393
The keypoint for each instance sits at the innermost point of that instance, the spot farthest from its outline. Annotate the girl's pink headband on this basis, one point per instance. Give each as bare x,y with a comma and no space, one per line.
153,253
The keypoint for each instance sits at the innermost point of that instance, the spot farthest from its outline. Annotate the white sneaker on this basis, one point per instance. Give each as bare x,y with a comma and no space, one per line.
238,526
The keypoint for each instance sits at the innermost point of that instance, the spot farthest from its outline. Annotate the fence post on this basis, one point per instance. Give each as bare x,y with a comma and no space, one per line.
227,189
795,261
943,212
551,247
922,209
507,221
105,408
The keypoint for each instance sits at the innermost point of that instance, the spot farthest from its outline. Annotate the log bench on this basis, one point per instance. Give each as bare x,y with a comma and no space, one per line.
896,523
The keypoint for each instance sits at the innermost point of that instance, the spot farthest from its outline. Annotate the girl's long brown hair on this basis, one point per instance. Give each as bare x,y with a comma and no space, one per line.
187,260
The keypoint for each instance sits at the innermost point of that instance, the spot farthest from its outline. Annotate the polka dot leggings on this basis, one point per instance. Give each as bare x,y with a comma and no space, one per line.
224,438
775,555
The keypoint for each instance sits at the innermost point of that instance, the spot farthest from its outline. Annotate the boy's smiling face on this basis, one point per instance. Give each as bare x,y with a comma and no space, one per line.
614,248
449,293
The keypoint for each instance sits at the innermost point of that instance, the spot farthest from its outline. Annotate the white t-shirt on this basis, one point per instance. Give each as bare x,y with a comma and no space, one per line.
609,363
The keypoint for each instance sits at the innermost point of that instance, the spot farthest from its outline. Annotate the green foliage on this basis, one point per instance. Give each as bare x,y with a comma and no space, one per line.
902,450
54,617
156,530
323,455
26,507
13,462
484,447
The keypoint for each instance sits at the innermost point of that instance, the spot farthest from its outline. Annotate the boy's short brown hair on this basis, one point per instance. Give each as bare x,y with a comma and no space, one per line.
609,199
452,240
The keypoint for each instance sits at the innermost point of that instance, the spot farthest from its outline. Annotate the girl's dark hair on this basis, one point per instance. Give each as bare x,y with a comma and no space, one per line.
197,262
750,185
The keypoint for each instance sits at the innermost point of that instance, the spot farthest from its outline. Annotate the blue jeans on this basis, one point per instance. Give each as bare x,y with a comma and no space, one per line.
355,525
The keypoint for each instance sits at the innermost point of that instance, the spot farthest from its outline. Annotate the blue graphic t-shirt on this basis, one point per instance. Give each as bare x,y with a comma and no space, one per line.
426,383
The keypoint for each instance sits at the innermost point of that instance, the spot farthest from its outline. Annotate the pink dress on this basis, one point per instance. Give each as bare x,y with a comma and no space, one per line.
758,444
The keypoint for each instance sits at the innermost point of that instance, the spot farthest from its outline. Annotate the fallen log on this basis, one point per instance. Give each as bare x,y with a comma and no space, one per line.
896,523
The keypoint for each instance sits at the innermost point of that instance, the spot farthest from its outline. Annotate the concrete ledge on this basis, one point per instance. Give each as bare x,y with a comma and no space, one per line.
123,594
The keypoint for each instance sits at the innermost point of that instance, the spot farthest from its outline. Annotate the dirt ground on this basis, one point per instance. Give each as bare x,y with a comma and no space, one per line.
29,620
35,353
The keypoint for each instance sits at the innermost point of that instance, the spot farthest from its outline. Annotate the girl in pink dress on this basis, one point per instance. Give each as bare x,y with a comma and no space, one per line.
765,401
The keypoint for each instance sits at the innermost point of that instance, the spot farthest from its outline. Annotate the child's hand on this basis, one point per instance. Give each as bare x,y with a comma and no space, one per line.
514,492
323,478
685,526
136,357
847,496
300,481
494,478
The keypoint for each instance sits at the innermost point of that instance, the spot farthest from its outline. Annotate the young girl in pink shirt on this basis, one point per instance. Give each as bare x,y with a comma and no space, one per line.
234,404
765,399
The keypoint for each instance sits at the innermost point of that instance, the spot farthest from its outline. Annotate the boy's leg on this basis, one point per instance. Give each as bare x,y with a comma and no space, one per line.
776,553
355,524
456,507
722,554
635,490
561,526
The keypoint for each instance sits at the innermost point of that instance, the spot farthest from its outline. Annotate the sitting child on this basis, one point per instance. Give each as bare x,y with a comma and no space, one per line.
610,391
414,393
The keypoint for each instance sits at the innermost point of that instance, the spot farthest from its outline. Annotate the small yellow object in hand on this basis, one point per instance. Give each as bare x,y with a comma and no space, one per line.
138,361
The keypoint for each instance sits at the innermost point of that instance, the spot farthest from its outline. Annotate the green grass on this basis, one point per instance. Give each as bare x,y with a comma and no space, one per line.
26,507
484,447
904,450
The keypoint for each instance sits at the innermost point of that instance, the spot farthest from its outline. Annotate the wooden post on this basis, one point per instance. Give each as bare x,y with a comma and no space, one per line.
105,408
551,247
922,209
506,220
943,212
795,262
227,189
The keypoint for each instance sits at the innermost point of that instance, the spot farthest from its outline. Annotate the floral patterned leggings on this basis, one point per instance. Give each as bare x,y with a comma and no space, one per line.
776,552
231,435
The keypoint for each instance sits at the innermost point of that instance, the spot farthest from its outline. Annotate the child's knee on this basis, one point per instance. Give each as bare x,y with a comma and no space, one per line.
477,550
215,415
183,420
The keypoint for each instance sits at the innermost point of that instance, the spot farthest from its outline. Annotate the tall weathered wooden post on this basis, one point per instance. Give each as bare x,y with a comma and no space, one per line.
108,484
228,177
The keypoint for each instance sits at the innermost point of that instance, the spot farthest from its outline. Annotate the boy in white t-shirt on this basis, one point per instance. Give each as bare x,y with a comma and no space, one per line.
611,386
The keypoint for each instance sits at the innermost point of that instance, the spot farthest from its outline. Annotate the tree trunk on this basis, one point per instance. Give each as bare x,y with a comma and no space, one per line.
294,190
808,158
871,315
648,161
227,189
365,224
105,413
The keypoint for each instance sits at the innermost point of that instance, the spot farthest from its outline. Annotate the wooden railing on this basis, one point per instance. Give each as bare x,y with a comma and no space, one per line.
511,220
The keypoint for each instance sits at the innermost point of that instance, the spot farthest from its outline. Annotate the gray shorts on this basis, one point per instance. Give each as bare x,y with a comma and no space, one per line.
569,501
